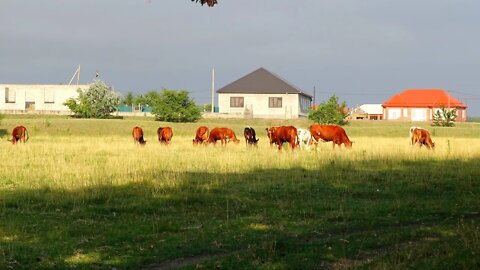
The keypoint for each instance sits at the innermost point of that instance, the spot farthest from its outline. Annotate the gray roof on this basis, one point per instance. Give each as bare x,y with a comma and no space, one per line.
261,81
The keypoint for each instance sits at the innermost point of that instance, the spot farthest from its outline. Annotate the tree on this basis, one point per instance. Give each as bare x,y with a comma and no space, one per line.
329,112
128,99
175,106
209,3
151,98
98,101
445,117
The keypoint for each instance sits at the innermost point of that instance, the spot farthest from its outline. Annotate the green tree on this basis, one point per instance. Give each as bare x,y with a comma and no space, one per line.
128,99
175,106
445,117
329,112
151,98
98,101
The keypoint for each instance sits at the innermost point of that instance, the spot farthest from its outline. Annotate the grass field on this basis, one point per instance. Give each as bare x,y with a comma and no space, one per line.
81,195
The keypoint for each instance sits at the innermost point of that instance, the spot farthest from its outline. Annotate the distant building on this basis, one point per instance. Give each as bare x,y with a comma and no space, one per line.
263,94
37,98
367,111
421,105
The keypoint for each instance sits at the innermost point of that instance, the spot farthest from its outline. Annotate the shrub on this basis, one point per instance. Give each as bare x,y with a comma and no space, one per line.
98,101
445,117
175,106
329,112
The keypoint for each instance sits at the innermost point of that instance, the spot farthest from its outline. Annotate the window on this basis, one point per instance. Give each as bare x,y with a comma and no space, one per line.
9,95
305,104
236,102
275,102
49,96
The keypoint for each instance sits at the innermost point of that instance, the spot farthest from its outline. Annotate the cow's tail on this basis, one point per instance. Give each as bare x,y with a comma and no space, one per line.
26,135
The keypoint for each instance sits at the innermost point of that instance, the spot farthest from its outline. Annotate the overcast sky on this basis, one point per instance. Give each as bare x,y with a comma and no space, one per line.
362,51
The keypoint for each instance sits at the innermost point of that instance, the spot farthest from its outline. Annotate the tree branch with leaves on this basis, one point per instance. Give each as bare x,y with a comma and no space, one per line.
209,3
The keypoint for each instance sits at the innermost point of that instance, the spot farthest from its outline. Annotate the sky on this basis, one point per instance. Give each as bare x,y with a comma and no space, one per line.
361,51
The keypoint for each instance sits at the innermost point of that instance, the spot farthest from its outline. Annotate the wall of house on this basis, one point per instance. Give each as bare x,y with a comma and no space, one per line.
257,105
418,114
17,98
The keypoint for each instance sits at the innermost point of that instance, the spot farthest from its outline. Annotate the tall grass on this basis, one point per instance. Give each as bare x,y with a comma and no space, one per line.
81,194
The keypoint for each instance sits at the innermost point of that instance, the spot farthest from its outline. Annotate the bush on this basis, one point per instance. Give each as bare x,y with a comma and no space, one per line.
175,106
98,101
329,112
445,117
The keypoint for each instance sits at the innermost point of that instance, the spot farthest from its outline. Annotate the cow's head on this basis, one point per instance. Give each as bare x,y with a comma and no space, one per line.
348,144
270,133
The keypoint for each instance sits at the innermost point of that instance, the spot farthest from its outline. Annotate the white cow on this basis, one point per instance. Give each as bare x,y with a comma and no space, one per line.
304,138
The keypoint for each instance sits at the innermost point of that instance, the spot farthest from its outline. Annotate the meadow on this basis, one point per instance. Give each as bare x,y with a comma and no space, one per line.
79,194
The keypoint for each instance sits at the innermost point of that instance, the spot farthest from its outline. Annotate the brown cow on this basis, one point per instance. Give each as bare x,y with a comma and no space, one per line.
165,134
224,135
283,134
250,136
19,133
137,135
421,137
330,133
201,135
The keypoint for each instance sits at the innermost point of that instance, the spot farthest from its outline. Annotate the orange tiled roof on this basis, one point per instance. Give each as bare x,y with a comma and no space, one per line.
423,98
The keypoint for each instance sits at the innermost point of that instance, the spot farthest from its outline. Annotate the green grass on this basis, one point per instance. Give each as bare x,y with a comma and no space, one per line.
80,195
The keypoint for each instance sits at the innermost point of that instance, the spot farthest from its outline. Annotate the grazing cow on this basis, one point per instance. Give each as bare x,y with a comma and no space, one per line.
224,135
250,136
201,135
19,133
165,134
283,134
304,138
421,137
137,135
270,132
330,133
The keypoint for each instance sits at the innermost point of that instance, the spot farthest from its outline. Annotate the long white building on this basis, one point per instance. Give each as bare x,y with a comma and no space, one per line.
37,98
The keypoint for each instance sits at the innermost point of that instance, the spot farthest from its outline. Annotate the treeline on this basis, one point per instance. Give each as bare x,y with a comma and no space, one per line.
100,101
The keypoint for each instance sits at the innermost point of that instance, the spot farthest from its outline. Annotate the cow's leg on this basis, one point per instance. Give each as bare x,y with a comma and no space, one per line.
279,145
294,145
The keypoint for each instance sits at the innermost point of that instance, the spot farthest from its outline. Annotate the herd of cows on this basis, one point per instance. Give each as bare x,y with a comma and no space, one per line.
302,138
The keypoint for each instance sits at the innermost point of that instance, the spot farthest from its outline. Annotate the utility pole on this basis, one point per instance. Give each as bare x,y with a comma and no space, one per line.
314,96
213,90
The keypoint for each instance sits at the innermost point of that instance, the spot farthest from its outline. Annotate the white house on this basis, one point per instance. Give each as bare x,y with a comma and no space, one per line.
373,111
367,111
263,94
37,98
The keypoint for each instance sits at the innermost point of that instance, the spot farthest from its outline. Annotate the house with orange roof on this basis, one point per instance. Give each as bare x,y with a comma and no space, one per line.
421,105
